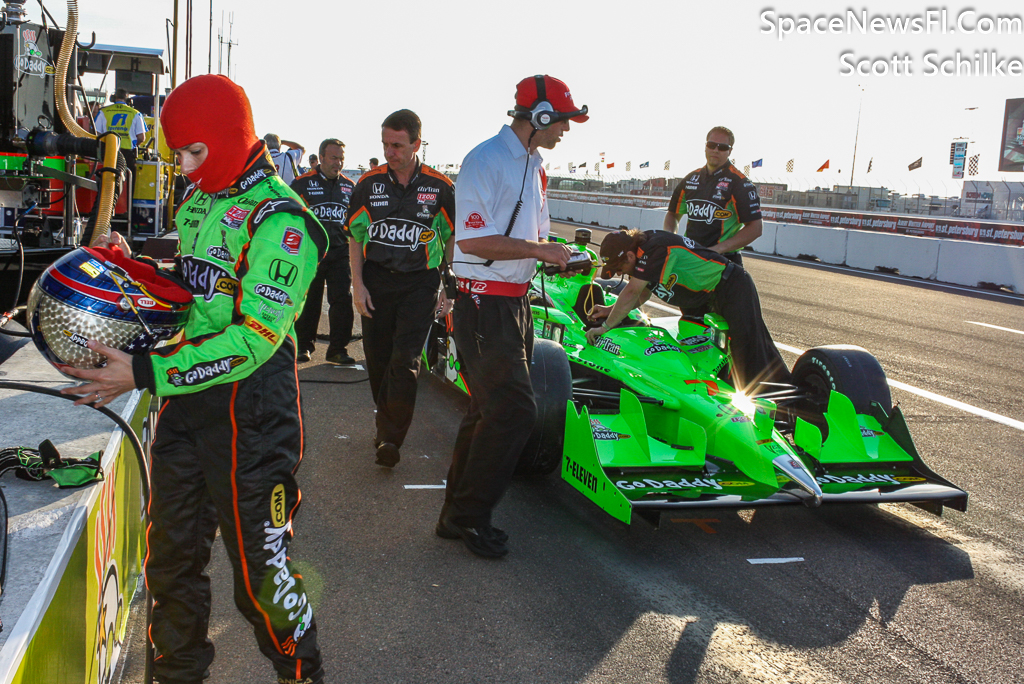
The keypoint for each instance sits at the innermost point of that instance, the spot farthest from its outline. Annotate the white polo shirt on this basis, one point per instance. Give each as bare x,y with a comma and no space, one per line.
485,196
283,163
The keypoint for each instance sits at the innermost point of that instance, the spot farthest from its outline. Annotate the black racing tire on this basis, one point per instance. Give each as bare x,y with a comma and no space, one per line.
552,390
854,371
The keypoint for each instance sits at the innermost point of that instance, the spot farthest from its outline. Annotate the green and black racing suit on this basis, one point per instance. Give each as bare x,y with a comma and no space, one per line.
229,436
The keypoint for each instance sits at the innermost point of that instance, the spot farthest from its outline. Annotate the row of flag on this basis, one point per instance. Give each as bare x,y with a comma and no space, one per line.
607,165
972,166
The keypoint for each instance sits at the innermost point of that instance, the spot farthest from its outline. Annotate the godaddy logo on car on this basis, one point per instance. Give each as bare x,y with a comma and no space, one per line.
285,594
703,210
681,483
871,478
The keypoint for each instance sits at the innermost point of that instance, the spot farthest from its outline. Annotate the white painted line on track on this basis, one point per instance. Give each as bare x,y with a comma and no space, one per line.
995,417
766,561
997,327
440,486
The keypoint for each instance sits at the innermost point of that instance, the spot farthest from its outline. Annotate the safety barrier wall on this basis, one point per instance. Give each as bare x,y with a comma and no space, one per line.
950,227
943,260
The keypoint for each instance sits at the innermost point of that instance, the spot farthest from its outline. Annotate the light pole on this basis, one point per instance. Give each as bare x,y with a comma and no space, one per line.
856,136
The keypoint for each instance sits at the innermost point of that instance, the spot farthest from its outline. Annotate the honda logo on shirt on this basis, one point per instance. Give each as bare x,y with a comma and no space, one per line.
378,188
282,272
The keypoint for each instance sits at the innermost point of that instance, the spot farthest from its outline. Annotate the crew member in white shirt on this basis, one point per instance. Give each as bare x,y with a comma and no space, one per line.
500,231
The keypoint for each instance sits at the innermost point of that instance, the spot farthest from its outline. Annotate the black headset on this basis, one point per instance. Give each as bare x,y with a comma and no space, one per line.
541,114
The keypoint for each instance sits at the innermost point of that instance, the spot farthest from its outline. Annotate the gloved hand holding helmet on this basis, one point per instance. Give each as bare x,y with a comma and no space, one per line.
101,294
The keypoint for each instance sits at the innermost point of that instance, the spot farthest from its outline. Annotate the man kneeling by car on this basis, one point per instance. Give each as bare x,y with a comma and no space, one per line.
685,274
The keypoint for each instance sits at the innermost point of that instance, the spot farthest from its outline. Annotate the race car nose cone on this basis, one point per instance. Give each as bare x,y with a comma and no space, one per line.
809,491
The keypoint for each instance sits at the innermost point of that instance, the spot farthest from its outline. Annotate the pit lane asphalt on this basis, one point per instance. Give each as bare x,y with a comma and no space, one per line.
883,594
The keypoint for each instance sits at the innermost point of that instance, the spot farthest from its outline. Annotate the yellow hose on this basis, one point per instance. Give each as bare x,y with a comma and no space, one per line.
60,90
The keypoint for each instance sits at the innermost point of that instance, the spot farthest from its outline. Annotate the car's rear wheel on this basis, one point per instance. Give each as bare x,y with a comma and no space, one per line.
851,370
552,390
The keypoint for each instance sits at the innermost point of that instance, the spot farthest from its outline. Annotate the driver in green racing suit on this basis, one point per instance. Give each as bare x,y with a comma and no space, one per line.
229,436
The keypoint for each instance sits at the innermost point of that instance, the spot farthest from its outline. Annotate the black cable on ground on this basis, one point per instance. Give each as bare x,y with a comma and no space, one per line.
121,423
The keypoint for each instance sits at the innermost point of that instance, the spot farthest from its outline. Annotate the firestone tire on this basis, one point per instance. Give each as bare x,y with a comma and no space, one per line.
552,390
850,370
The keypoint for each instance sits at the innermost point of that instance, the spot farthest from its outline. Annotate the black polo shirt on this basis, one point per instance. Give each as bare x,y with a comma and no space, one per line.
716,204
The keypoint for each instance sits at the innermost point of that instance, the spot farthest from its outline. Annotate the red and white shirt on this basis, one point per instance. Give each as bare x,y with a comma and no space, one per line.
485,196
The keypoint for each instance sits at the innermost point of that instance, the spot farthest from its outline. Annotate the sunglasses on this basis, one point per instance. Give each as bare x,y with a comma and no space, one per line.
721,147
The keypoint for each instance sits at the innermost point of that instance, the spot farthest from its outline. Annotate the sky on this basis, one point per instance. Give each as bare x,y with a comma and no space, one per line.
656,76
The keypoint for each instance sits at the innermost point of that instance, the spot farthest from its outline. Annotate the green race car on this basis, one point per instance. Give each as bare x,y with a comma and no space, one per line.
646,420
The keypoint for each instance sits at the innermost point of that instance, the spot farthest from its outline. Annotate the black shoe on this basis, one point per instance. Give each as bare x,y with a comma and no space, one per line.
340,359
484,541
442,531
304,356
388,455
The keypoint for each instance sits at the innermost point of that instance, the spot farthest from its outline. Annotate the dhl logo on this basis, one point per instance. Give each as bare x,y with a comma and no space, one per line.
261,330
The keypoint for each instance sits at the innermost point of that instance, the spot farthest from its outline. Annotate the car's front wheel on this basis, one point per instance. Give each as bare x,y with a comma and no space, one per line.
552,390
847,369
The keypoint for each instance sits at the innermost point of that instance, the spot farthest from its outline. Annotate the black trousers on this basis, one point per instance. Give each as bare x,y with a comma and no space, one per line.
393,339
697,312
494,339
227,456
334,272
754,354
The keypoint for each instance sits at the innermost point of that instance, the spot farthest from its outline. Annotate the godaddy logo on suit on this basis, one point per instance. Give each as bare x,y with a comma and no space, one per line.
330,211
400,233
273,294
703,210
206,278
205,371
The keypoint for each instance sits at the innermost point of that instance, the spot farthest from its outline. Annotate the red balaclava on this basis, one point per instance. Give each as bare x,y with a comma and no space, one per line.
212,110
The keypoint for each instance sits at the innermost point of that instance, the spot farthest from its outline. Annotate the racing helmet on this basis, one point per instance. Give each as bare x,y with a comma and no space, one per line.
96,293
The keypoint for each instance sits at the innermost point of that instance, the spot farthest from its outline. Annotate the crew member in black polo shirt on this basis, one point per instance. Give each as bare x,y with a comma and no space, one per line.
400,223
723,211
680,272
327,192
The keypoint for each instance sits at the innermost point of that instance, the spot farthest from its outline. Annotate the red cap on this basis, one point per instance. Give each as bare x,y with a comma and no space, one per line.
555,92
213,110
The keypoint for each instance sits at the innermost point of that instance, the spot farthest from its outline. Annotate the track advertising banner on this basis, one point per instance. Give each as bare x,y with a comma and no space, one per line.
1011,154
949,228
80,636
